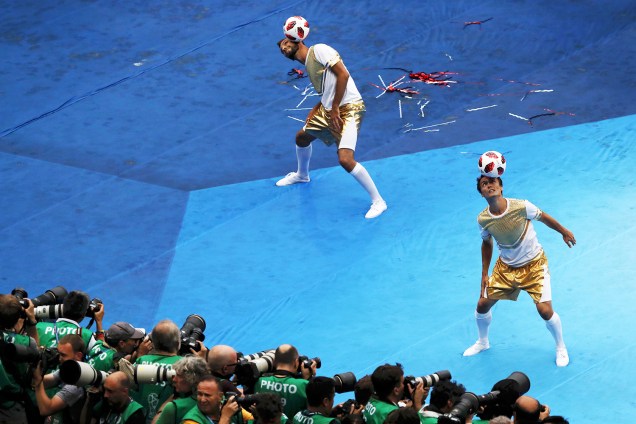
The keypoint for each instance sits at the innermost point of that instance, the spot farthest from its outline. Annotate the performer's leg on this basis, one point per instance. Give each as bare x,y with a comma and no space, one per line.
553,324
483,317
360,173
303,156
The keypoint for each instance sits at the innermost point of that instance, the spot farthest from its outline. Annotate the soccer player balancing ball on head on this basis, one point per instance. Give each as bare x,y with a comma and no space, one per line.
521,265
336,119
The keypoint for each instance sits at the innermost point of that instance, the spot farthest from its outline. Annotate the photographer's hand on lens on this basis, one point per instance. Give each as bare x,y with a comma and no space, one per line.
309,372
145,346
545,412
99,317
230,408
37,375
419,393
202,352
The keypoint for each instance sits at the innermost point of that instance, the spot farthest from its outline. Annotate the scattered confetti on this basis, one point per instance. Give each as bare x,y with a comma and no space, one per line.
480,108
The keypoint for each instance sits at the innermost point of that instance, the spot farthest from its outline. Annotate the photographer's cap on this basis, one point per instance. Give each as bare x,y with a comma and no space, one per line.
122,331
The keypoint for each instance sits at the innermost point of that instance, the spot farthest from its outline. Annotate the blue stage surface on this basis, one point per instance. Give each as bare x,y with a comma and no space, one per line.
140,143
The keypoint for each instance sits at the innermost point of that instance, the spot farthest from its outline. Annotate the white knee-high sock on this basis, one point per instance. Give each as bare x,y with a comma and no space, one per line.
483,323
554,326
303,155
361,175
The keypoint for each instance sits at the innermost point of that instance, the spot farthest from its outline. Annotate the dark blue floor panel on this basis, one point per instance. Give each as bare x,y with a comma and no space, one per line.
156,93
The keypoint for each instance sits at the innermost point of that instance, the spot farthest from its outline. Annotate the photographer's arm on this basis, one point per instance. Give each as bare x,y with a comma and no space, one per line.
99,318
30,323
228,410
46,405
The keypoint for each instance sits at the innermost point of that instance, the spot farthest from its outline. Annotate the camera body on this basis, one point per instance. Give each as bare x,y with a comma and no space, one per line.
50,357
245,401
191,333
251,367
305,362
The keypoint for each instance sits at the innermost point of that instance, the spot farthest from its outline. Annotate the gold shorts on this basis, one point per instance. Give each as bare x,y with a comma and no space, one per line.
534,278
317,124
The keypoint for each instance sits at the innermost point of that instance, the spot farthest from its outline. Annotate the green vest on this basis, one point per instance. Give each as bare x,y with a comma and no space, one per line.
100,356
47,332
199,417
152,396
11,389
292,392
174,411
308,417
105,416
376,411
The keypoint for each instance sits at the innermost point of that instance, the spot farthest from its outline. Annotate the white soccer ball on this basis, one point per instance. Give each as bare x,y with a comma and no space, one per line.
296,28
492,164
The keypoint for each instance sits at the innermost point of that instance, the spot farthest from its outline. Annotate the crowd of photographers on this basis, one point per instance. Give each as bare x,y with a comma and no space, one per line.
53,370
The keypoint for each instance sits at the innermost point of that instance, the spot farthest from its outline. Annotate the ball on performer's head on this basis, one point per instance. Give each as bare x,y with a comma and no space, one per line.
492,164
296,28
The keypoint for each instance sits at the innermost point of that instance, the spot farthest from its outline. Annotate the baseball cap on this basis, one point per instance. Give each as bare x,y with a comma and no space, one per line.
122,331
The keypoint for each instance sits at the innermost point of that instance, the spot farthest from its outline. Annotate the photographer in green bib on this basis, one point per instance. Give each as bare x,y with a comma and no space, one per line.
188,372
166,341
65,406
15,377
75,306
321,392
121,340
289,379
388,390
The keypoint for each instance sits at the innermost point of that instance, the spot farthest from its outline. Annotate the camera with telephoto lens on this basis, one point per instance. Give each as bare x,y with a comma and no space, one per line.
305,362
430,380
50,357
52,312
81,374
191,333
50,297
345,382
250,367
152,373
245,401
499,401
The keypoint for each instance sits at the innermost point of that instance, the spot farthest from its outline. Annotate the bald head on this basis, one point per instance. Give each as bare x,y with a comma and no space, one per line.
286,357
222,359
119,379
166,337
527,410
116,392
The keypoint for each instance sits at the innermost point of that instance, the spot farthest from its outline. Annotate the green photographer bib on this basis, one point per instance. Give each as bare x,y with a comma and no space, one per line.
308,417
376,411
292,392
152,396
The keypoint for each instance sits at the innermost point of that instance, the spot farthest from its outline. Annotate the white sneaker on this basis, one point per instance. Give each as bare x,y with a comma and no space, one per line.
376,209
477,348
292,178
562,358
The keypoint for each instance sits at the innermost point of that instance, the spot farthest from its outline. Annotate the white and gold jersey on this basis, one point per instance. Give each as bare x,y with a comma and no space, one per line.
513,231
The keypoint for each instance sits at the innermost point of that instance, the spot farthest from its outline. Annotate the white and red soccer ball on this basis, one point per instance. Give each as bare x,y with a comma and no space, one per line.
296,28
492,164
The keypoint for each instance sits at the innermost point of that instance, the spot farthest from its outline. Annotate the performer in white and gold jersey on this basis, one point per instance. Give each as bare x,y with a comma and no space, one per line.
522,264
336,119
